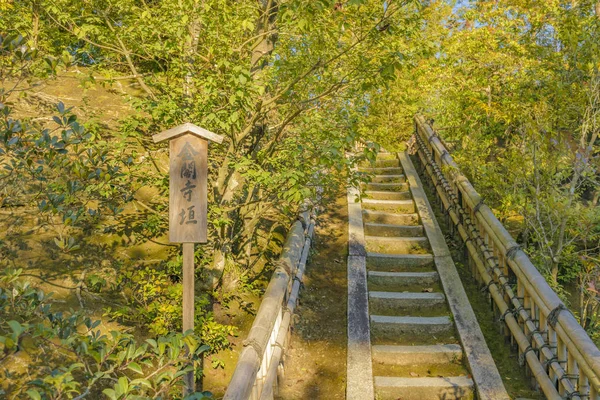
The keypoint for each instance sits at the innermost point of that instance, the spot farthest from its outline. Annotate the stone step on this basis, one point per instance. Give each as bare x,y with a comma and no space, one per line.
382,278
394,206
420,370
417,355
388,178
384,155
386,327
397,245
386,186
399,262
387,230
447,388
394,303
387,163
388,195
382,217
382,170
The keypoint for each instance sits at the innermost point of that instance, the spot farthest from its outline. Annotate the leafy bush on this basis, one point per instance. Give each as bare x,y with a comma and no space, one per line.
69,356
155,296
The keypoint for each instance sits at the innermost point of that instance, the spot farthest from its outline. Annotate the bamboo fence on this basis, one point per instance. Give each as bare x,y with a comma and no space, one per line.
556,351
260,366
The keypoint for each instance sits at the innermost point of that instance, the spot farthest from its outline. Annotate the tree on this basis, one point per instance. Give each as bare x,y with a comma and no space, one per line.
284,81
513,88
249,70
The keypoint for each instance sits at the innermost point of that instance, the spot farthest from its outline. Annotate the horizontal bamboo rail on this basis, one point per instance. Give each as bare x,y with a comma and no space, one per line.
560,355
259,367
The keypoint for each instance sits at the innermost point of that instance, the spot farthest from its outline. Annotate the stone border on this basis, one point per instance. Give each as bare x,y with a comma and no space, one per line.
481,364
359,378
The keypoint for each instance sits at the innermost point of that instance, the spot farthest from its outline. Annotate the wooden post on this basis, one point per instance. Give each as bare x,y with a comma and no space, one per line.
188,204
188,305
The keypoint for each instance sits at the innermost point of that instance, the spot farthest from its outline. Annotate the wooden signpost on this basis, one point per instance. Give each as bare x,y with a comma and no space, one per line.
188,203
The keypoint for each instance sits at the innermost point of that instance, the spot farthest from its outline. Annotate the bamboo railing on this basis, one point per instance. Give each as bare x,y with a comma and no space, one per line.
555,349
260,366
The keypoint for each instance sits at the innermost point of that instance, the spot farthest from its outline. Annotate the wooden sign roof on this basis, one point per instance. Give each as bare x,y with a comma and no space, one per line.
185,129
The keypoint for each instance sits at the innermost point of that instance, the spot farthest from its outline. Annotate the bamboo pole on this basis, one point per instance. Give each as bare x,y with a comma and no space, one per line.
243,379
282,337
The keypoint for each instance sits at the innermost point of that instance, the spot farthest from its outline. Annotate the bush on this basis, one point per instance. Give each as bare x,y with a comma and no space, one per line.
69,356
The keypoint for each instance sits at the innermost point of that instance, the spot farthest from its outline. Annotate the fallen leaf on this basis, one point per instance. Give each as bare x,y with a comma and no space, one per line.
414,374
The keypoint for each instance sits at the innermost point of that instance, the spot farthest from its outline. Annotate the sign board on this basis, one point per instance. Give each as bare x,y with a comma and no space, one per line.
188,189
188,180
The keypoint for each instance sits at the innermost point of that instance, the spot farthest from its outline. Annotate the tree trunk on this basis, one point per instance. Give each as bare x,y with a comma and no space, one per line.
554,270
266,35
191,49
581,300
35,24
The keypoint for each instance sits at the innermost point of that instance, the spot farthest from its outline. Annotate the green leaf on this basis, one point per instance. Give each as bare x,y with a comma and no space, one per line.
34,394
110,393
135,367
123,385
141,381
16,327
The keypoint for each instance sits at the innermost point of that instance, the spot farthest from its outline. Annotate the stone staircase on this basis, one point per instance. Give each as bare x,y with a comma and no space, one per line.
416,352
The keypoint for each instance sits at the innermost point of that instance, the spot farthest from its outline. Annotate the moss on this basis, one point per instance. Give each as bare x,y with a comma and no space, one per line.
414,311
430,370
407,339
412,288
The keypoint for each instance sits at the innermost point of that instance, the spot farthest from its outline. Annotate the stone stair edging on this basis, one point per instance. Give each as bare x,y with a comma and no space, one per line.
359,369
